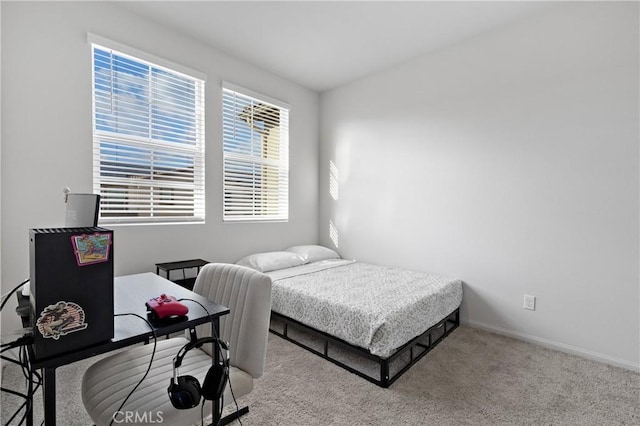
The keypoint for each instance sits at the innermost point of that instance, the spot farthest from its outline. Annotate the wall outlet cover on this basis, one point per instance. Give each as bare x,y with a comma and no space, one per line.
529,302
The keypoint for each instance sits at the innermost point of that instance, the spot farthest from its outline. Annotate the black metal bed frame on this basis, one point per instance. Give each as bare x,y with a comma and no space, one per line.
416,348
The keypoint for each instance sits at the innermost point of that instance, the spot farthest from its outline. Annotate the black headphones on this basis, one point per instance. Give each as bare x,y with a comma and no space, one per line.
185,391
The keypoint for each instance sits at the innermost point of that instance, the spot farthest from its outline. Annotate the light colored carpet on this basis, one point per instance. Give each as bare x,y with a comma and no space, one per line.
472,378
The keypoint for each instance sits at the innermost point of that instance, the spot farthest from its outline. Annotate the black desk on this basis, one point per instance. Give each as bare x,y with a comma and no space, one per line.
130,294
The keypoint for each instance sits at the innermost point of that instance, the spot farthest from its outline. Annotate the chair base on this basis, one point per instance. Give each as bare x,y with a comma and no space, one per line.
233,416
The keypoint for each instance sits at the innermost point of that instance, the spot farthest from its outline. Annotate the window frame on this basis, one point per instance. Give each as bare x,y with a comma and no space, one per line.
279,167
185,181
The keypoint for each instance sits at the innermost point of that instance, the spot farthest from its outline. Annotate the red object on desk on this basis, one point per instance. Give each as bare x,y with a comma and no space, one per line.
165,306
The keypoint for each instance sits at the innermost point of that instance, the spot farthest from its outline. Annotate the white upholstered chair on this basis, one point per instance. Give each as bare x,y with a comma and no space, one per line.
247,294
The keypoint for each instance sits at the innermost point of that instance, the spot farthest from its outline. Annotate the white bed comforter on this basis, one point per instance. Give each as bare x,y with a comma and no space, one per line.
375,307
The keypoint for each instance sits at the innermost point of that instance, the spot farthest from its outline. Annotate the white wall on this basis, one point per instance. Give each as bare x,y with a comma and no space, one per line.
510,161
46,138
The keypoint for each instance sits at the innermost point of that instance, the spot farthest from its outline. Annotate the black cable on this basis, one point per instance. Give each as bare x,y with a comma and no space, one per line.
23,362
4,302
153,354
221,349
28,400
12,392
15,361
20,341
16,413
28,373
31,372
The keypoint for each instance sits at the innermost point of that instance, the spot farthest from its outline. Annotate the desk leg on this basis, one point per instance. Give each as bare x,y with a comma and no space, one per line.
215,405
49,396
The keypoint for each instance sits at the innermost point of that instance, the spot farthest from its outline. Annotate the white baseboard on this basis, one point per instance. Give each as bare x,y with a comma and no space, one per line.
562,347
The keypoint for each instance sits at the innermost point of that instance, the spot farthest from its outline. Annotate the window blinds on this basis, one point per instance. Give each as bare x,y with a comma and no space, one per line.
148,140
255,156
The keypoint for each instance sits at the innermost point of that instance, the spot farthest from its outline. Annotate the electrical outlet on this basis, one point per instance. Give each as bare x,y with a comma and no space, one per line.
529,302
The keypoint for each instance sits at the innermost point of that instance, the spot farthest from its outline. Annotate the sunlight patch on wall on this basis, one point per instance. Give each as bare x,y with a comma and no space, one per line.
334,188
333,233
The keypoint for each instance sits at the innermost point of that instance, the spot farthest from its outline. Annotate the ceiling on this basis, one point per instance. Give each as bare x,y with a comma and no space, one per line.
324,44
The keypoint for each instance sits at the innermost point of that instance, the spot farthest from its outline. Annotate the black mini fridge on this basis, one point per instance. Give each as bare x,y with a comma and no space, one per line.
71,274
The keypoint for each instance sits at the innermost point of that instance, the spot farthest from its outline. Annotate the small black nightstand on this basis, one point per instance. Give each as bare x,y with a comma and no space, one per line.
182,265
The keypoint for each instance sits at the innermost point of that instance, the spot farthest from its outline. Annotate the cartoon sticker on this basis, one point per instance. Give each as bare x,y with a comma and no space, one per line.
61,319
91,248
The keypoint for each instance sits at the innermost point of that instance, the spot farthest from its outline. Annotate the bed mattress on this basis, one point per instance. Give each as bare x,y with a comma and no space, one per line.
375,307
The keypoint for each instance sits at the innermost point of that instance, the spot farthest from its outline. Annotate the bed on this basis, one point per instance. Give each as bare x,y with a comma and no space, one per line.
375,321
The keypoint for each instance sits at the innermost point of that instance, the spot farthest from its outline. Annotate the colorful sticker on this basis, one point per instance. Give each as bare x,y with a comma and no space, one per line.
61,319
91,248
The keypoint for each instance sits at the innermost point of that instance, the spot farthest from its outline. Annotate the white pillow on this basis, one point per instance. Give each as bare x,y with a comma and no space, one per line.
314,253
271,261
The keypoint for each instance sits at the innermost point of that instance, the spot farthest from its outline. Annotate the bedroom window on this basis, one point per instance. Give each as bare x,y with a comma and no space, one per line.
148,137
255,156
